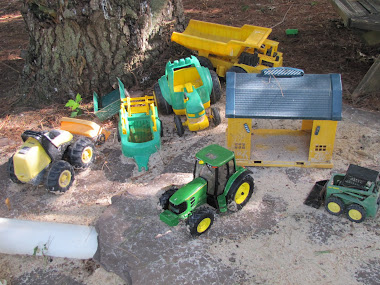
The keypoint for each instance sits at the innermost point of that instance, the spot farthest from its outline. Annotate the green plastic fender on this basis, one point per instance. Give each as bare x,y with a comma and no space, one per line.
163,82
194,105
234,180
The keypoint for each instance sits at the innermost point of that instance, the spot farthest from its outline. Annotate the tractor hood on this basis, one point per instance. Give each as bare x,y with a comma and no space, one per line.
188,191
194,105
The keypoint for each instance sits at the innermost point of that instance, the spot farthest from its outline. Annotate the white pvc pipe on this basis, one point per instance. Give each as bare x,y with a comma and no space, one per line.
52,239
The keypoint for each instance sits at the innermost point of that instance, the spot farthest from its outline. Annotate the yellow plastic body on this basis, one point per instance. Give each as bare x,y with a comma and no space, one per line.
197,124
223,45
221,40
30,160
83,128
186,77
182,112
313,143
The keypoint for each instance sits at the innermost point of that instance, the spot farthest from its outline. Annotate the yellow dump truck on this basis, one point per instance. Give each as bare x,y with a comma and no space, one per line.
230,49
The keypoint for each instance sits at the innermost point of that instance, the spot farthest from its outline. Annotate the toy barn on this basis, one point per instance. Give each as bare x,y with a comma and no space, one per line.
283,93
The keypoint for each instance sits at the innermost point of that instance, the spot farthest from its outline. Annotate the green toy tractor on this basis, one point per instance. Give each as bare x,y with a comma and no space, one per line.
357,193
187,88
50,157
218,184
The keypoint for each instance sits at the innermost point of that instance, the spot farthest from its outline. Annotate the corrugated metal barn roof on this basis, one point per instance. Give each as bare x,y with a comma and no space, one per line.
308,97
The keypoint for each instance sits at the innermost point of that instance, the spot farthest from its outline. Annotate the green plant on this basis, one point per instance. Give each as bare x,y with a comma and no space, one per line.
313,3
74,105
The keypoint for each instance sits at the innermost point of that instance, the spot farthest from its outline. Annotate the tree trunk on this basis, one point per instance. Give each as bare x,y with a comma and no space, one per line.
81,46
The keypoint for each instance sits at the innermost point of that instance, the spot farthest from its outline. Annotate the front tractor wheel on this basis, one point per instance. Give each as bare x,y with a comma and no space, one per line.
178,125
164,199
334,205
60,177
82,153
356,213
200,221
239,195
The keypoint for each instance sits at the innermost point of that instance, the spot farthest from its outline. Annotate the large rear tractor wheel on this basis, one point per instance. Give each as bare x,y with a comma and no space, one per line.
334,205
204,61
178,125
356,213
162,106
164,199
200,221
11,171
60,177
216,92
215,116
82,153
239,195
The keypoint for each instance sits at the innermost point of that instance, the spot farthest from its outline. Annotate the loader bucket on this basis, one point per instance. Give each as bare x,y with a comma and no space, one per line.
316,195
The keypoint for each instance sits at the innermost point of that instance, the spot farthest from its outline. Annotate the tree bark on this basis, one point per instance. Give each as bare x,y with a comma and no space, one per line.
81,46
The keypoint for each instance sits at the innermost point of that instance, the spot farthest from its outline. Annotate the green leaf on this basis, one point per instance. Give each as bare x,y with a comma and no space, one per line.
71,103
35,250
74,114
78,99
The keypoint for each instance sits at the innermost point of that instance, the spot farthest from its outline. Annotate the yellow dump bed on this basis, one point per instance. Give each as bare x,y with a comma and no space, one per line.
209,38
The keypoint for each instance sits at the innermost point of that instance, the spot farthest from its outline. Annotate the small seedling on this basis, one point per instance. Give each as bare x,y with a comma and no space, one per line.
313,3
74,105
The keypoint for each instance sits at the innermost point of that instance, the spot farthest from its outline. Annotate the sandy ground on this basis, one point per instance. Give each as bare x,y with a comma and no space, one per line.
275,239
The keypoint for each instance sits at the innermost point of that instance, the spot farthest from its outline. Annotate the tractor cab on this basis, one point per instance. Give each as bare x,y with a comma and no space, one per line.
216,165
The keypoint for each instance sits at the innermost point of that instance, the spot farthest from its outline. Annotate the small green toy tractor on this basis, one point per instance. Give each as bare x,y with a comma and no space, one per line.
357,193
218,184
187,88
50,157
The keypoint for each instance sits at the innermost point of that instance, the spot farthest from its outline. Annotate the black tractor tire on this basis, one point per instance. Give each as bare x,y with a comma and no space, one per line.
118,135
81,153
200,221
236,69
162,129
334,205
216,92
215,116
164,199
60,177
240,193
178,125
204,61
356,213
11,171
163,107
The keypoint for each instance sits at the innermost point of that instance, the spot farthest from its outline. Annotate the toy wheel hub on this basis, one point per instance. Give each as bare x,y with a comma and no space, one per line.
355,214
334,207
64,179
204,225
242,193
87,155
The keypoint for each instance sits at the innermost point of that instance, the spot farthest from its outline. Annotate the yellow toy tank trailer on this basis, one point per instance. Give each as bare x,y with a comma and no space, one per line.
50,158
